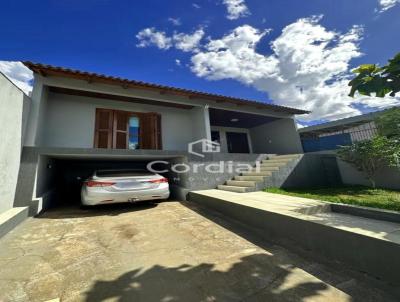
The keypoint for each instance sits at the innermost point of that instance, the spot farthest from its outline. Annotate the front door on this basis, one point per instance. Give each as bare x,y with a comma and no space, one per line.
237,142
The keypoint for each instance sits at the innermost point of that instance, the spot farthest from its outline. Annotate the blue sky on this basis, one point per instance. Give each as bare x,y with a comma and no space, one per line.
101,36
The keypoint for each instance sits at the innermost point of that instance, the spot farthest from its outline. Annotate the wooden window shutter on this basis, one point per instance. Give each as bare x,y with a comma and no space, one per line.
159,133
103,128
150,131
120,130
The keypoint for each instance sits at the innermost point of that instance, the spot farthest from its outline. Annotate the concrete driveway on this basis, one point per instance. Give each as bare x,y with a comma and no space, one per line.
159,252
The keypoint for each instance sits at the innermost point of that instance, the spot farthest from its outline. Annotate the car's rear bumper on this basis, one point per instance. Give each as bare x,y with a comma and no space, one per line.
104,197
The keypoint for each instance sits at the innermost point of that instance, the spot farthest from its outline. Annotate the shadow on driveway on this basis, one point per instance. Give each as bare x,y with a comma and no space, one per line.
76,211
328,271
258,277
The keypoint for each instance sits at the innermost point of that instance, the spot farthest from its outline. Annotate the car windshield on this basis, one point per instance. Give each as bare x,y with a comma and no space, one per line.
122,173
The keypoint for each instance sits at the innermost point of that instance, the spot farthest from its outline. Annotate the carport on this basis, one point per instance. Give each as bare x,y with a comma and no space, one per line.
69,174
52,177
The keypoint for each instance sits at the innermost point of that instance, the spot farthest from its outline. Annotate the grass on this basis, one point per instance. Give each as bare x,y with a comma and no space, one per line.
355,195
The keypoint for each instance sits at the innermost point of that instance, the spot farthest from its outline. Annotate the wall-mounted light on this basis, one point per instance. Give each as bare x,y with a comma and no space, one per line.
234,120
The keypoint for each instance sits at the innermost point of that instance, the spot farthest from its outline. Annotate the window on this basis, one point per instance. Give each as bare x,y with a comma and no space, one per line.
121,130
116,129
133,132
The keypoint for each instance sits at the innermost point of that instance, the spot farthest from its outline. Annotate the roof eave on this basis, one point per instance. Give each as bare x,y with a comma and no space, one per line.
48,70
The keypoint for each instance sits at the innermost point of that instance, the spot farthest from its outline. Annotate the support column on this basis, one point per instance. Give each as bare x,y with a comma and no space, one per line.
37,113
201,123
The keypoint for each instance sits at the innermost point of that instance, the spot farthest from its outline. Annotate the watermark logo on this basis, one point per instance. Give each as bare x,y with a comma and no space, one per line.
205,145
220,167
206,168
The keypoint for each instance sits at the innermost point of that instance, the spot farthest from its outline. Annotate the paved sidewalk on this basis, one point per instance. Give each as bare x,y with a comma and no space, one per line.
312,210
162,252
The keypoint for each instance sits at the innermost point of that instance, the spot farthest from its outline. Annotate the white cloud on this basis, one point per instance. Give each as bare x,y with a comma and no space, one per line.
236,9
387,4
234,57
19,74
195,5
308,67
178,62
299,125
185,42
188,42
175,21
150,36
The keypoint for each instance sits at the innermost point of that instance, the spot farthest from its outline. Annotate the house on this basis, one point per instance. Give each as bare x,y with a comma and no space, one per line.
77,121
343,132
74,109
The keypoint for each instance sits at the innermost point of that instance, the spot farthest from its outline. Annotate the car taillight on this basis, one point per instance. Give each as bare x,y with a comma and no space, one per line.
92,183
158,181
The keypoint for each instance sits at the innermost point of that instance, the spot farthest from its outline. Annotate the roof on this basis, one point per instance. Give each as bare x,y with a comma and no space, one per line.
341,124
48,70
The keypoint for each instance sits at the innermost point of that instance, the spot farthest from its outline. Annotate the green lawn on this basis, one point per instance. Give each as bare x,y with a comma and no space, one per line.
361,196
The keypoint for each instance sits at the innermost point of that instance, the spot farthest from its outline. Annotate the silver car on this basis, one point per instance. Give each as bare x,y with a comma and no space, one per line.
115,186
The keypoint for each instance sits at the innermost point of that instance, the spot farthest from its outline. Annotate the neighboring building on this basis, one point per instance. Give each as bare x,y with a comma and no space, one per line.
77,121
325,139
331,135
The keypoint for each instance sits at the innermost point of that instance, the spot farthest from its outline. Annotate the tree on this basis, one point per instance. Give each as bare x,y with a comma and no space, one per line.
379,80
388,123
371,155
384,149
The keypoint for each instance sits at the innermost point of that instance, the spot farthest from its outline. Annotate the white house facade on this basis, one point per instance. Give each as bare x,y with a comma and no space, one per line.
75,121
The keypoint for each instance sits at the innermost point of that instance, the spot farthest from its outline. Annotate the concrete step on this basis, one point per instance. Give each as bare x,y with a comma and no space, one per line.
277,160
263,173
285,156
251,178
235,189
266,169
272,164
280,163
241,183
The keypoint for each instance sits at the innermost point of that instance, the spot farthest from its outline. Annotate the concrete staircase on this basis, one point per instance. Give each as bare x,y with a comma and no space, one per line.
270,173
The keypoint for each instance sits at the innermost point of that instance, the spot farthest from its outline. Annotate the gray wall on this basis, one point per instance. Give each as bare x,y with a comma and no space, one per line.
45,181
70,121
44,186
198,178
388,178
14,110
312,170
278,137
